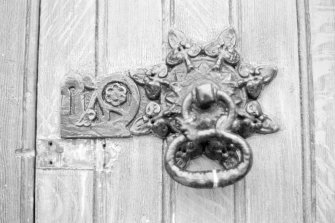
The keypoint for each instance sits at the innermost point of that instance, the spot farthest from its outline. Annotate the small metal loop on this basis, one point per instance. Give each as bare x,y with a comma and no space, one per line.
224,122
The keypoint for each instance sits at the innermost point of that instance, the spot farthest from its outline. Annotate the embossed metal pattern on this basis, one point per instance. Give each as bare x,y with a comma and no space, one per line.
203,99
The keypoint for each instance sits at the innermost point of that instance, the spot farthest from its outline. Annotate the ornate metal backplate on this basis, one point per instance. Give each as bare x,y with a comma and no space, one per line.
203,100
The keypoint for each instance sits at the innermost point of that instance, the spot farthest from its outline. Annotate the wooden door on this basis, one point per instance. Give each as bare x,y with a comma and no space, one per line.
124,180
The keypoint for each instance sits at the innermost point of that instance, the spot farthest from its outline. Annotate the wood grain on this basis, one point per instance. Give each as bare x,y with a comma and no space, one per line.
67,45
128,184
307,112
29,112
11,99
323,59
202,22
64,196
18,57
274,185
168,185
129,187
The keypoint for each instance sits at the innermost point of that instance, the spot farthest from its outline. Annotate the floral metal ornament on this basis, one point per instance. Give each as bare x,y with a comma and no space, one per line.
202,100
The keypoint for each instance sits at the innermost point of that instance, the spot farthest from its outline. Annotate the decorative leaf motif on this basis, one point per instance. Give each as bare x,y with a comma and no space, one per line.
140,127
268,126
139,76
224,48
194,50
245,70
228,37
182,50
255,78
174,57
160,70
171,97
86,118
267,72
254,108
175,38
254,87
230,55
152,109
213,49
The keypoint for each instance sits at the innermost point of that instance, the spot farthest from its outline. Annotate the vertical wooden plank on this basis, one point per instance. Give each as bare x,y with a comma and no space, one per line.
274,185
18,58
130,185
64,196
307,112
28,147
240,186
168,185
67,45
11,81
322,14
202,21
129,189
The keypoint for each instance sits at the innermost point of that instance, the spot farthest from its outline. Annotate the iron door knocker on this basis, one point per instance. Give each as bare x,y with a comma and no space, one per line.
216,142
202,100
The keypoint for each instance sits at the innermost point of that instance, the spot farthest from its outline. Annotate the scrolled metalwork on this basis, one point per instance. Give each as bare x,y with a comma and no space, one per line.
203,100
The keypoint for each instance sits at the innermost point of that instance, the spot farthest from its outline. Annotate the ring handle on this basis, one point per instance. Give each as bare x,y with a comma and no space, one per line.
204,96
209,178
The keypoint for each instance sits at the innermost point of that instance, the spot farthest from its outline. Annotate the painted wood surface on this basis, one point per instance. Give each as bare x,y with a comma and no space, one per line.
274,185
11,81
129,188
307,113
27,153
202,22
123,180
322,20
66,45
18,56
64,196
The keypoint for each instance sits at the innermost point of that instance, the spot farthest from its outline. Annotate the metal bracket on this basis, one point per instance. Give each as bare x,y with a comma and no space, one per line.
203,98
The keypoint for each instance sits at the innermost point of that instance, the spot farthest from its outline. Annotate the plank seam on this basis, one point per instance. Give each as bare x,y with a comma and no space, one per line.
29,124
168,185
307,112
96,67
235,21
96,174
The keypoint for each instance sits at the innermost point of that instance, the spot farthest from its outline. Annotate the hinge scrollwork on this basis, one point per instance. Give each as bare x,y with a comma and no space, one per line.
203,99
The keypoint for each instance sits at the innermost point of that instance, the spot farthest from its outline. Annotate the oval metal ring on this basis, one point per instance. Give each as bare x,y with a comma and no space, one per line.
209,178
